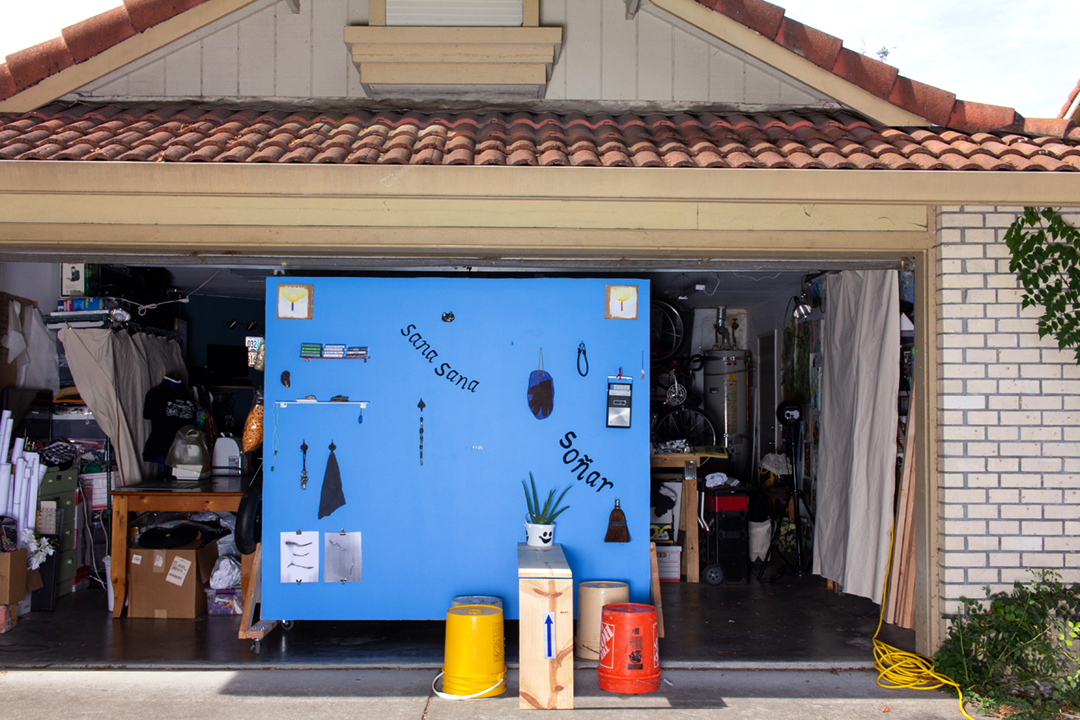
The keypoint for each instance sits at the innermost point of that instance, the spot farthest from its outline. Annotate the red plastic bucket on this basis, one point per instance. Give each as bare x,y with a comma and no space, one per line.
629,649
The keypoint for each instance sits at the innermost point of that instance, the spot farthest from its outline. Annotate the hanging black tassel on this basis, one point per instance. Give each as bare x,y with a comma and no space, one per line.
617,531
332,496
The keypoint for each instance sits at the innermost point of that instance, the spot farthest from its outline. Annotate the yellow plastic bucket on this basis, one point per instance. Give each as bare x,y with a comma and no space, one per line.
474,665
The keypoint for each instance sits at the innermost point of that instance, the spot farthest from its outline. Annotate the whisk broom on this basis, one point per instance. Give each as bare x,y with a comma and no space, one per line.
617,531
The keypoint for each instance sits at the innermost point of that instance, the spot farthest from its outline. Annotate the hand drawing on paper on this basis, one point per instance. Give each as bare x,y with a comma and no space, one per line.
343,561
299,557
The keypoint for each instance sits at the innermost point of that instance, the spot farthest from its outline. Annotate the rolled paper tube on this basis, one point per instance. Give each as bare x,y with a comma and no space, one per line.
5,488
19,493
17,449
5,434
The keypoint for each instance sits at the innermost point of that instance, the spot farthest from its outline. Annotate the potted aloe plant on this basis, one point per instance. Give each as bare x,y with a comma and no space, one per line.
540,521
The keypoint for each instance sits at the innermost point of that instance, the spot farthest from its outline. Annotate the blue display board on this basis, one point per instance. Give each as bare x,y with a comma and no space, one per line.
418,533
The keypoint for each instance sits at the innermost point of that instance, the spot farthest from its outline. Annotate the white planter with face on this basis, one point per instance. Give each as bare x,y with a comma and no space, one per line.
539,536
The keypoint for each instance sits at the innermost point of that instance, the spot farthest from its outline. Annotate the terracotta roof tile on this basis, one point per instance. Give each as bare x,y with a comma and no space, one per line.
932,103
147,13
814,139
98,33
7,83
755,14
973,117
816,46
30,66
871,75
238,153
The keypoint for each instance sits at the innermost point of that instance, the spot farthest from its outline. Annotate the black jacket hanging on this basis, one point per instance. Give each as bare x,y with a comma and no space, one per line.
332,496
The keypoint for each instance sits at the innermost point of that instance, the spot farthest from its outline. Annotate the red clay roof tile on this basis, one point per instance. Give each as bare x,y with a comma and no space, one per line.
98,33
871,75
927,101
816,46
755,14
7,83
1048,127
805,140
148,13
30,66
971,117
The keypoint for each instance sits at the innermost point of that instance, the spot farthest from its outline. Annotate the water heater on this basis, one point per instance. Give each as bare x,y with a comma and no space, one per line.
726,405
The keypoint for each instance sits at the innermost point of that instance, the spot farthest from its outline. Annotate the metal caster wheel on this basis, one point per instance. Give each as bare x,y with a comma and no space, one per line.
286,624
256,646
713,574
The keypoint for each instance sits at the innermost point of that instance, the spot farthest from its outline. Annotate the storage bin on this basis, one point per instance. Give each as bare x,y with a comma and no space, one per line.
668,558
224,602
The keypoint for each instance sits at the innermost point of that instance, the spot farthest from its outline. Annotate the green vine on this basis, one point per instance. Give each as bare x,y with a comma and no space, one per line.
1015,653
1046,259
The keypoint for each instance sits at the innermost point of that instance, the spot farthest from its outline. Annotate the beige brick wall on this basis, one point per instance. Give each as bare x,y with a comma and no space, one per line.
1009,419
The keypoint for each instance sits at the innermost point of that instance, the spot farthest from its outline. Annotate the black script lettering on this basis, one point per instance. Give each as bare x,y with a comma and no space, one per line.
591,481
473,384
405,333
570,460
441,370
568,439
604,481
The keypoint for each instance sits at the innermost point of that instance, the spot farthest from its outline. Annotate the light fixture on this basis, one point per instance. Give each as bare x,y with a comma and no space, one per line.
801,309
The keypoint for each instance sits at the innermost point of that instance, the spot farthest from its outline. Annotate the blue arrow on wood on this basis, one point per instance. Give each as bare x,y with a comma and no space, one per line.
549,623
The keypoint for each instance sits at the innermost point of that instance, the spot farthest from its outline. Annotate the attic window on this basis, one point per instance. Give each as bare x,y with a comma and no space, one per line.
497,13
432,49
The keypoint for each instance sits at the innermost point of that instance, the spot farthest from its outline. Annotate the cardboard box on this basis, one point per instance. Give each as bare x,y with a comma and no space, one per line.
167,584
9,617
12,577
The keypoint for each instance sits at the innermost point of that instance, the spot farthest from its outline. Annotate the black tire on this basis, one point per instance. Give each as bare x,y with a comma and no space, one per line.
685,423
666,332
249,520
713,574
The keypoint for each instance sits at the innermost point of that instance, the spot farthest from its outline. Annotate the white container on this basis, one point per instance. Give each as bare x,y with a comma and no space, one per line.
540,536
668,559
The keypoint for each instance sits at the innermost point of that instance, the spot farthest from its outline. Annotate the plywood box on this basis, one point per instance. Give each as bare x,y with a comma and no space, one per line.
167,584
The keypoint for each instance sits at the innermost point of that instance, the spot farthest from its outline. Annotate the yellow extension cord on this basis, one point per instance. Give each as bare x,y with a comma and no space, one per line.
899,669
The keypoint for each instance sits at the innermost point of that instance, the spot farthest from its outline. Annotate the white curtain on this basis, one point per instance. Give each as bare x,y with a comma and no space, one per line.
857,471
113,371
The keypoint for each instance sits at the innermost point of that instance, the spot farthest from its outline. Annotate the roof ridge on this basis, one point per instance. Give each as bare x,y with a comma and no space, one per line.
876,77
79,42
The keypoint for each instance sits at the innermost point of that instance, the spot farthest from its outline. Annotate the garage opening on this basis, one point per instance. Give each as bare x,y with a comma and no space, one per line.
729,346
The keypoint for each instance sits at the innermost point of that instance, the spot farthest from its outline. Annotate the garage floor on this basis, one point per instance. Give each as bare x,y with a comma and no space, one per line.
793,622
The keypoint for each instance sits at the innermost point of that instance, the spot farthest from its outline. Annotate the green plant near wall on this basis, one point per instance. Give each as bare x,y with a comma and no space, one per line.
1015,654
1046,259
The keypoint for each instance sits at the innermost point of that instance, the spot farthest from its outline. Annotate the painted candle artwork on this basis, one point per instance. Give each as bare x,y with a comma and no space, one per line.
299,557
342,553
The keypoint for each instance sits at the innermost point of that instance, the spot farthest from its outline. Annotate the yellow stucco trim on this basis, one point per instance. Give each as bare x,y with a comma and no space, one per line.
567,185
130,50
787,62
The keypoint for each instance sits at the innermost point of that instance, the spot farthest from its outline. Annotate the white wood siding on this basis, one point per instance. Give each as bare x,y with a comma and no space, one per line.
267,51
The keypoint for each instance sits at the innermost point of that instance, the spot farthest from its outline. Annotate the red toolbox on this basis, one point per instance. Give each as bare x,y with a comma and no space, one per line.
727,503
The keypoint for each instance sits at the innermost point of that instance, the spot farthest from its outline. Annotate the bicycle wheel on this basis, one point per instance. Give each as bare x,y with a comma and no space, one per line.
685,423
666,332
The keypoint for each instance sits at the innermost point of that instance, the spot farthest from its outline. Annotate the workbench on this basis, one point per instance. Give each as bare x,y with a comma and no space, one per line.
219,495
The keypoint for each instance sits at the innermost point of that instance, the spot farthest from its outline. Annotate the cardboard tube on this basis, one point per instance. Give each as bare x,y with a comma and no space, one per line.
19,494
5,433
5,488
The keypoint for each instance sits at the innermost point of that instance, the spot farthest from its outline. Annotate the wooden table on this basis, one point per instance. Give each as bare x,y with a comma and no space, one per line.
545,629
220,495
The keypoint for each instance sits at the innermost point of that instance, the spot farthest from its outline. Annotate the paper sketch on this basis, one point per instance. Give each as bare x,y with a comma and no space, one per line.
343,561
299,557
